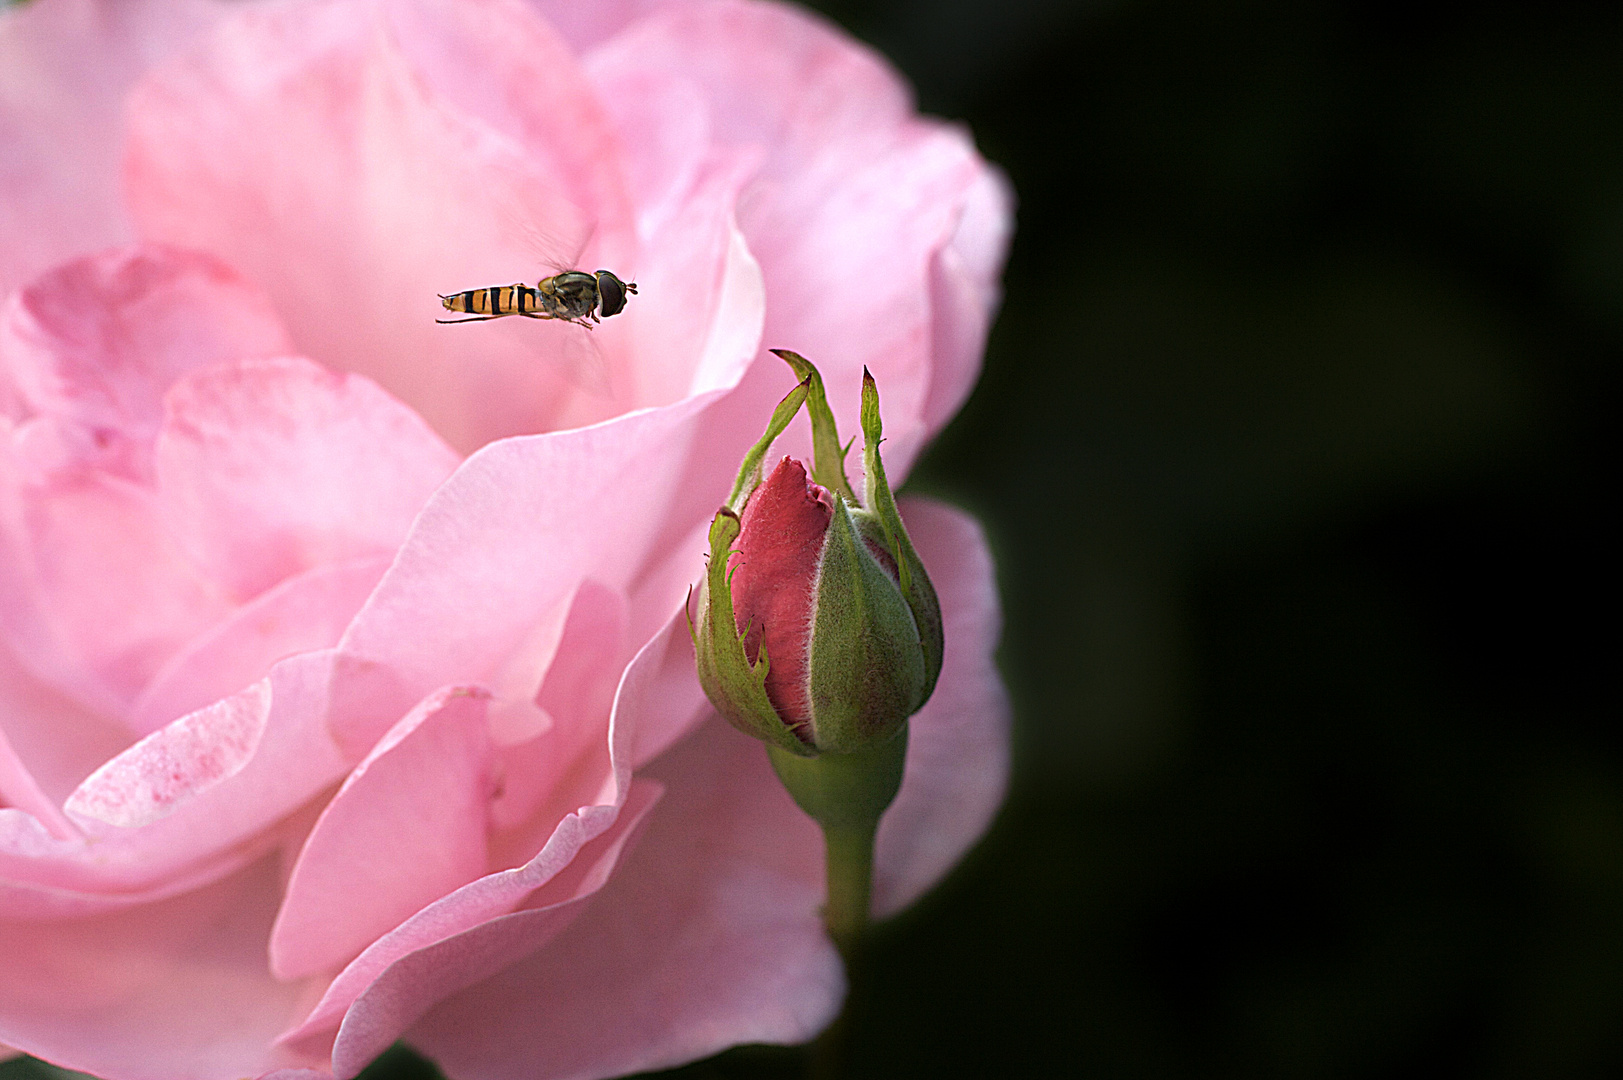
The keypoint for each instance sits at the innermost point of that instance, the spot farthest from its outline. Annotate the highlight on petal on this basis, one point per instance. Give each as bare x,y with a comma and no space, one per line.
177,763
150,833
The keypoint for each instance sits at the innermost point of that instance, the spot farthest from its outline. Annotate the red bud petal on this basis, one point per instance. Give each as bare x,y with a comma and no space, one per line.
784,524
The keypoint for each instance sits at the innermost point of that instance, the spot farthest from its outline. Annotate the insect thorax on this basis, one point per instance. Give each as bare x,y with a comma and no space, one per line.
569,295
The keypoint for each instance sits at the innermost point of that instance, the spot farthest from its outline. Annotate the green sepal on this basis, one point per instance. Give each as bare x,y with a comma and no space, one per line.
734,686
910,573
867,671
749,473
828,456
841,791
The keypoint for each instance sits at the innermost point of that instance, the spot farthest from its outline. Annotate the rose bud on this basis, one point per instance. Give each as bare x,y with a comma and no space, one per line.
818,629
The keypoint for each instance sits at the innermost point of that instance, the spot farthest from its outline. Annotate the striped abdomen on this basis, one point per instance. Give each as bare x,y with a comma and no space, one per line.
496,300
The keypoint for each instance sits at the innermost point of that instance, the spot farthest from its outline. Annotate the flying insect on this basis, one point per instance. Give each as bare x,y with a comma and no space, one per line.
573,296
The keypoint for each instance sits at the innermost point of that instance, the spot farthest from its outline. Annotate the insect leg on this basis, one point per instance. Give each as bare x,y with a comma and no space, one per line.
474,318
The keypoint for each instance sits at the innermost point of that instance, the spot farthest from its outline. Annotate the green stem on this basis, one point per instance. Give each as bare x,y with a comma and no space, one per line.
845,794
850,882
849,850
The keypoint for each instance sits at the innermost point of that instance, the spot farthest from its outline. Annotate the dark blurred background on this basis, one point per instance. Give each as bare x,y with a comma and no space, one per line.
1293,440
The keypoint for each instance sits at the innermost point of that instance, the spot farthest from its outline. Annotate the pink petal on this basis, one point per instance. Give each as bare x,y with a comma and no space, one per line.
964,293
851,203
58,741
414,984
65,66
551,511
172,990
93,344
176,763
707,936
79,551
468,934
586,25
303,613
407,827
958,744
550,775
271,467
686,194
329,152
198,798
19,789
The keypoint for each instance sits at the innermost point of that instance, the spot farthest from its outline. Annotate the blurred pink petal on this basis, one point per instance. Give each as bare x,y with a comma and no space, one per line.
65,591
92,346
958,744
65,66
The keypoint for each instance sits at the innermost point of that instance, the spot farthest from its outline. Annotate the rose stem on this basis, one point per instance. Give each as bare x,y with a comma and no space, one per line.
850,883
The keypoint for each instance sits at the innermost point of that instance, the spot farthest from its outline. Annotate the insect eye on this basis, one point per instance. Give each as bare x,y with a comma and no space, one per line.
611,293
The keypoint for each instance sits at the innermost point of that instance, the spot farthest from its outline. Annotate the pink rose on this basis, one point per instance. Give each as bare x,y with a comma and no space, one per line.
345,693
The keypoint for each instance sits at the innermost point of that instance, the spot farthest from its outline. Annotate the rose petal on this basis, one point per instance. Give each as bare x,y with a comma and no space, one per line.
18,788
306,612
707,936
65,66
270,467
414,984
551,510
958,744
79,551
407,827
574,862
585,26
965,293
217,819
176,763
57,740
93,344
172,990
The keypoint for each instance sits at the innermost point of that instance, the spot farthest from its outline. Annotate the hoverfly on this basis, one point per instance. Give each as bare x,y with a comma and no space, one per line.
573,296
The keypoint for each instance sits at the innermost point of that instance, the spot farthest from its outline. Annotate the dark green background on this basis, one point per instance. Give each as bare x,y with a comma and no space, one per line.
1294,441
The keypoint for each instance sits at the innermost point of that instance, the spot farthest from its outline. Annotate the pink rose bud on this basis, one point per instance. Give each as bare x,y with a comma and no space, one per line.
818,629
